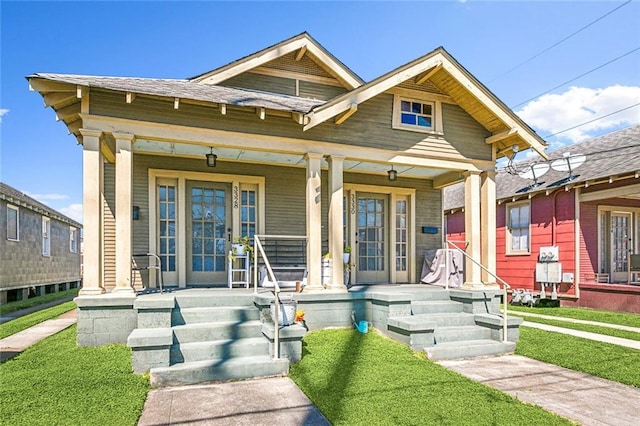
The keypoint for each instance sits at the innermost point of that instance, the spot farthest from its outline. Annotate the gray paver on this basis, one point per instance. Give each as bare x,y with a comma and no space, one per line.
578,396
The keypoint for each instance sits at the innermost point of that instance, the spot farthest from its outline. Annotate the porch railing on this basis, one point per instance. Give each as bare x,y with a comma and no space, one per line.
258,250
505,285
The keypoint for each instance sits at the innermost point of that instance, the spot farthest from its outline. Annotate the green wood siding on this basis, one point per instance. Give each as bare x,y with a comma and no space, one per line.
304,66
370,126
285,198
265,83
312,90
427,86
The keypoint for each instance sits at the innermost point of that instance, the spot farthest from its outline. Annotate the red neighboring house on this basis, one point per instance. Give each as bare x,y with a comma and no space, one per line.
592,217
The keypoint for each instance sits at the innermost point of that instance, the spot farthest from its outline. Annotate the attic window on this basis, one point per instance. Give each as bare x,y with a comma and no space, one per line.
418,115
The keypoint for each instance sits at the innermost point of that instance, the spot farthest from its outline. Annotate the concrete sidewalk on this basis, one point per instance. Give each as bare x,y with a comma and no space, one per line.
577,396
12,345
271,401
634,344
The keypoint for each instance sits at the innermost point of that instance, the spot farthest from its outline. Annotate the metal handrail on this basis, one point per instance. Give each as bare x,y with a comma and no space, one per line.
258,248
157,266
505,285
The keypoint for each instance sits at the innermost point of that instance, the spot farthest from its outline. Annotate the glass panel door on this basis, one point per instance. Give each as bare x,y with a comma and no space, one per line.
372,258
208,232
167,225
620,246
402,240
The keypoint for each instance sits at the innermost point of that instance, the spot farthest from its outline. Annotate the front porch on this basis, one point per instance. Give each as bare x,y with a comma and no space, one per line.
195,334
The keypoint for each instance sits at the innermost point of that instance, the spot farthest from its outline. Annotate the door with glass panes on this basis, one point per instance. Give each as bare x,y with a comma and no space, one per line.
372,238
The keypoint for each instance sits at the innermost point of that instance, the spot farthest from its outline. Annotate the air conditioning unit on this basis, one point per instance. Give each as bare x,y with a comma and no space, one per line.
549,254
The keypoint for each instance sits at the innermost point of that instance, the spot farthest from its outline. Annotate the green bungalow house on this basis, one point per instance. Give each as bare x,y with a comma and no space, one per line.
287,141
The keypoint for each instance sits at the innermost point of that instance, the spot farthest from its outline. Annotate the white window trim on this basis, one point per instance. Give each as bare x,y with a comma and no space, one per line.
17,210
509,251
73,231
46,236
436,119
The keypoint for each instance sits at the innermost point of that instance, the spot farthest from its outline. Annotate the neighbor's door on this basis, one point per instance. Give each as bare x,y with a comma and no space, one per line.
620,246
208,231
372,253
167,198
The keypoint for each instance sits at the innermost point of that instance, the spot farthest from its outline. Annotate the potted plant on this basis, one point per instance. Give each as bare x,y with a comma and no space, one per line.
240,247
346,254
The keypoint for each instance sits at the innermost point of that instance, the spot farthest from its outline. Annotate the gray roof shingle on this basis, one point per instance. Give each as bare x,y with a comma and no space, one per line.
608,155
185,89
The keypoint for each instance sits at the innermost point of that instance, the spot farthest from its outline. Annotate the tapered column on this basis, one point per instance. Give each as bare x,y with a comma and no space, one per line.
314,221
473,277
124,204
336,225
92,196
488,224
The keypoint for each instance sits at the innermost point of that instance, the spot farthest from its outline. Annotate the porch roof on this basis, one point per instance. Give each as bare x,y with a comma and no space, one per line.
181,89
614,155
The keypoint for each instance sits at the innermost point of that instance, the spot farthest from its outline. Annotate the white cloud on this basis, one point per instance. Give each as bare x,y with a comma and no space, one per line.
553,113
3,112
48,197
74,211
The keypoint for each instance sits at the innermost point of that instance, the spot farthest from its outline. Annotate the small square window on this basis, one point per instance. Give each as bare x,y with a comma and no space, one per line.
411,114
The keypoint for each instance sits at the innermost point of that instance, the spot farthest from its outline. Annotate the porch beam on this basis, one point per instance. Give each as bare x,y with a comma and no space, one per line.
336,225
124,207
68,111
497,137
108,150
301,53
92,196
52,99
446,179
610,193
427,75
314,220
472,226
46,86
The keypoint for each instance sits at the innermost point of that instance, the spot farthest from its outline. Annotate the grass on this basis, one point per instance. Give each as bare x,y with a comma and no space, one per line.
7,308
367,379
55,382
24,322
631,335
599,359
620,318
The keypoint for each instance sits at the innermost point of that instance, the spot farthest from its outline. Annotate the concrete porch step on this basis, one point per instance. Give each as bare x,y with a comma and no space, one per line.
447,319
468,349
219,349
222,330
435,307
196,315
203,298
218,370
460,333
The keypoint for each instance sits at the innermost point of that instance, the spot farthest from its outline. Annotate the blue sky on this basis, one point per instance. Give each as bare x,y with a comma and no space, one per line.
183,39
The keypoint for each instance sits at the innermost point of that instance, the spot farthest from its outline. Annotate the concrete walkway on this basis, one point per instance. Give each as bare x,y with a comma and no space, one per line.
577,396
575,321
635,344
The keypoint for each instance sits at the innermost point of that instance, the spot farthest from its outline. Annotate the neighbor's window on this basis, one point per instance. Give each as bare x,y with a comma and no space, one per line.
518,217
46,236
13,223
73,239
416,115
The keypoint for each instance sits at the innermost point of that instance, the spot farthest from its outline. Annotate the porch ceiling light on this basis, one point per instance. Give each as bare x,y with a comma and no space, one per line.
393,174
212,159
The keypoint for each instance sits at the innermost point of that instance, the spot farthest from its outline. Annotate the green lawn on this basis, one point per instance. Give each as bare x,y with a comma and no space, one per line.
621,318
7,308
631,335
604,360
24,322
57,383
367,379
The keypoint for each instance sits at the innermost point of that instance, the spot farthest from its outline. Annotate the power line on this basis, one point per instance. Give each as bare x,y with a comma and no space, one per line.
580,76
591,121
559,42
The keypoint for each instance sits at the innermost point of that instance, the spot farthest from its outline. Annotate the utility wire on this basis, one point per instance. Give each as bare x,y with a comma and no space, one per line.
591,121
559,42
580,76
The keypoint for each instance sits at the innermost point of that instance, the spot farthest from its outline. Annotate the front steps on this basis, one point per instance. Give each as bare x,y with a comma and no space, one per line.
206,337
442,329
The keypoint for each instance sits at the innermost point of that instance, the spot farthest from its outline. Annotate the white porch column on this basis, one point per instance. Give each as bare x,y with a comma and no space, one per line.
92,195
488,219
473,276
124,206
314,221
336,225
